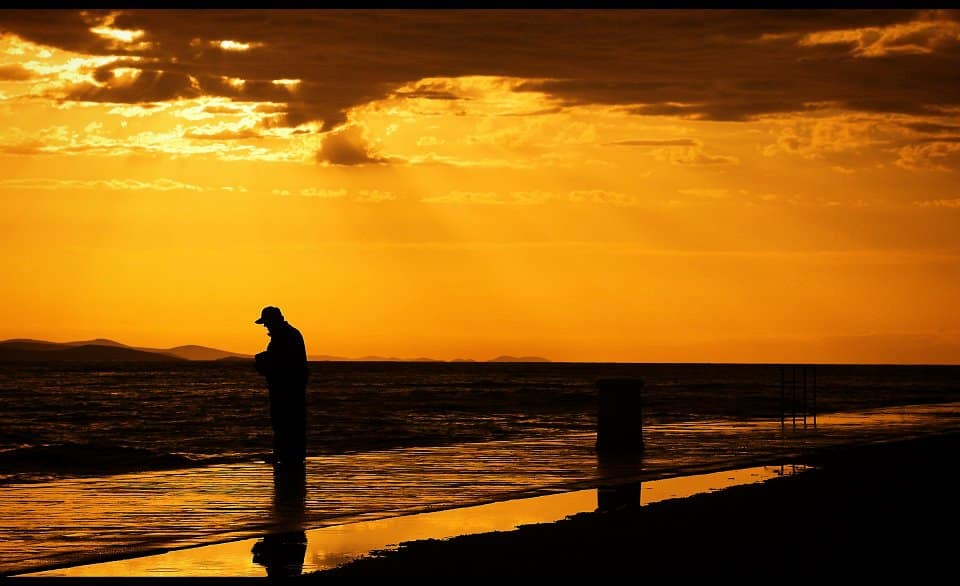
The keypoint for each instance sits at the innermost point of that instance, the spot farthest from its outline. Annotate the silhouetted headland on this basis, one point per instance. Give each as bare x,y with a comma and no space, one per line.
88,353
104,350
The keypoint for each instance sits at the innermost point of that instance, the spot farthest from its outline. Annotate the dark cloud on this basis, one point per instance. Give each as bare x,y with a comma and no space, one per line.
66,29
666,110
940,139
540,112
933,127
346,147
148,86
15,73
707,64
430,94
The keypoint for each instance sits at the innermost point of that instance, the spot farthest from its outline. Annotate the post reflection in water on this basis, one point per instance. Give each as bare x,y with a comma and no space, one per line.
619,486
282,552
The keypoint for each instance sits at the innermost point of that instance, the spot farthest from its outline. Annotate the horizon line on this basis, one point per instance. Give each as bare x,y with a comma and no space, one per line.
516,359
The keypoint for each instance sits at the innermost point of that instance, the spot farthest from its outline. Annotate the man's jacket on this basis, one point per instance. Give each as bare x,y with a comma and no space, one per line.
284,362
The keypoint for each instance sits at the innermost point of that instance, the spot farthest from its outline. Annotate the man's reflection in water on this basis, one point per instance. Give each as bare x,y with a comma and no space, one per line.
282,553
619,486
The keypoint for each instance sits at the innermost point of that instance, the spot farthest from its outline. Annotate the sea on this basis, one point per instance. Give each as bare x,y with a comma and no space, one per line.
79,419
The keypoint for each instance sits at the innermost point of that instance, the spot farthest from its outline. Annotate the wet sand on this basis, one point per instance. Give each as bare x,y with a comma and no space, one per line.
880,509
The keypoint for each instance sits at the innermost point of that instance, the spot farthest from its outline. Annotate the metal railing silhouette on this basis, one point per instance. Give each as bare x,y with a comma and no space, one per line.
798,380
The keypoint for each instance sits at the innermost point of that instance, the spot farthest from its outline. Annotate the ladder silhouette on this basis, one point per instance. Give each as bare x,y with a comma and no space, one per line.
798,380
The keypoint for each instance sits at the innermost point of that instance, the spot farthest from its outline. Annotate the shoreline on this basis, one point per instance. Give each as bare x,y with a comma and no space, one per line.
771,525
866,509
331,546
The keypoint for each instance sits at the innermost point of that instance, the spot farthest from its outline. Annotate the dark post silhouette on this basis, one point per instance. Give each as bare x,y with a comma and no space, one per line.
783,399
284,364
793,395
619,415
804,396
814,396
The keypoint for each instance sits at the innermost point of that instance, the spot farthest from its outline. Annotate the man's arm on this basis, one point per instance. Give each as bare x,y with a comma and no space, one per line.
288,358
262,363
302,358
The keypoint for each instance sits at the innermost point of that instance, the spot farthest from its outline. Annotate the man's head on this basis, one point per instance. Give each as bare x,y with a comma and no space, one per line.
270,316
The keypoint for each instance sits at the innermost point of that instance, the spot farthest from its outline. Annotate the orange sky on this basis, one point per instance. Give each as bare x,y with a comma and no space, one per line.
587,186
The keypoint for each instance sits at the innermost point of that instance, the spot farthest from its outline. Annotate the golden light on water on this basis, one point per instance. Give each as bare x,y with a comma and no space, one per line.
329,547
234,45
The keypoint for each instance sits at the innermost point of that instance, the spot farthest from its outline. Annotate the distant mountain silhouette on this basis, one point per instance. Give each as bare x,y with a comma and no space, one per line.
324,357
101,349
389,359
327,358
194,352
233,359
103,342
104,350
29,344
518,359
87,353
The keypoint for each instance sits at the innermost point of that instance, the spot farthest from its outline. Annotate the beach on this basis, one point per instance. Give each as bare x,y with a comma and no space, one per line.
879,509
433,451
866,510
167,523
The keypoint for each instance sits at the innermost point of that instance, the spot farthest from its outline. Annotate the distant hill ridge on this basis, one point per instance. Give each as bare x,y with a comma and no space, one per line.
82,353
104,350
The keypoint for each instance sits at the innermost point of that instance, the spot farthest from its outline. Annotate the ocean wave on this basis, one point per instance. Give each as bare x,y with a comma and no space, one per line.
35,462
70,420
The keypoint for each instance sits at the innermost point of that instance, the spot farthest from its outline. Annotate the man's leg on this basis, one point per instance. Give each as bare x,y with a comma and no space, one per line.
276,422
281,432
296,425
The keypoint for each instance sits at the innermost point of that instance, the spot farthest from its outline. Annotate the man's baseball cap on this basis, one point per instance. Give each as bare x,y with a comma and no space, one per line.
269,313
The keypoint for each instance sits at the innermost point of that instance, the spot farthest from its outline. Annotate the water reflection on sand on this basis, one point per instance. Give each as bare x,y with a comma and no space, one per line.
332,546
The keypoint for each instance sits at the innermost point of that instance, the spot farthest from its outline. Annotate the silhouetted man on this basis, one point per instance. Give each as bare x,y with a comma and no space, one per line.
284,363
